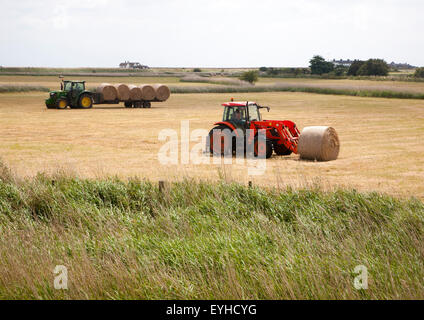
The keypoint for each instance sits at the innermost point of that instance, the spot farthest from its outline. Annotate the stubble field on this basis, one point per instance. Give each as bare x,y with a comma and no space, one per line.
381,140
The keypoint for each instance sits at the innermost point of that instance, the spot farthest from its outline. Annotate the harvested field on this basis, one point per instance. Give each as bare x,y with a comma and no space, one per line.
381,140
53,82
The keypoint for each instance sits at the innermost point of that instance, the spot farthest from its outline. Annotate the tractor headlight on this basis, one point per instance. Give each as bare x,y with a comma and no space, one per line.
52,94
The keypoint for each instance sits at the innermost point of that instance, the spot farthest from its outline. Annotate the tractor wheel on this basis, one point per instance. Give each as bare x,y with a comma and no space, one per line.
128,104
85,101
261,149
62,104
222,149
281,150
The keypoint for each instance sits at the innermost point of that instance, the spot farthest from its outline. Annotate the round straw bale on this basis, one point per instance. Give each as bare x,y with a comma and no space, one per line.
162,92
135,93
123,92
108,91
148,93
319,143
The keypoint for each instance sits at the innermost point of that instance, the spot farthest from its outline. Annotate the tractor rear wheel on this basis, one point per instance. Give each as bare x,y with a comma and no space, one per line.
62,104
281,150
261,149
85,101
220,149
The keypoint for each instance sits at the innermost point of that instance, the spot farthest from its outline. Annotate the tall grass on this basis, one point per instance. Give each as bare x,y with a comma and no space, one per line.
22,88
293,88
216,80
203,240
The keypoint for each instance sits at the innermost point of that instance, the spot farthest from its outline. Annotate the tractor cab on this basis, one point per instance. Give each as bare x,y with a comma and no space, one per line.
71,93
68,86
241,114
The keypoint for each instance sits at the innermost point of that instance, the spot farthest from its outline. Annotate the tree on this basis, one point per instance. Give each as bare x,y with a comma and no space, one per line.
339,70
419,73
250,76
263,69
197,70
354,67
318,65
374,67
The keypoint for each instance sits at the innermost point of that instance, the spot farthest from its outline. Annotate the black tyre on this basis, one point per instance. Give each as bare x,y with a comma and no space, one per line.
128,104
262,148
281,150
147,104
85,101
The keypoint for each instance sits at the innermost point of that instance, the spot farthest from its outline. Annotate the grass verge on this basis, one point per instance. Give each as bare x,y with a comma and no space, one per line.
24,88
290,88
202,240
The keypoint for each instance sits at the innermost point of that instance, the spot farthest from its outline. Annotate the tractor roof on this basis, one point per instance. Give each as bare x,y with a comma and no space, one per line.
238,103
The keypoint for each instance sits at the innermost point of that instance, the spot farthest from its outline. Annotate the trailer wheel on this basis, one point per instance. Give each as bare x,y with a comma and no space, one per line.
281,150
85,101
128,104
147,104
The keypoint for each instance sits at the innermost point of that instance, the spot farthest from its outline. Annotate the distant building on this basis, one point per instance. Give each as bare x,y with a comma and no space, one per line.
405,65
132,65
341,62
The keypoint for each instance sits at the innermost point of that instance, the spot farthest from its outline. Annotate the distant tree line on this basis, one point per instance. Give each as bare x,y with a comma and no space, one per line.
419,73
371,67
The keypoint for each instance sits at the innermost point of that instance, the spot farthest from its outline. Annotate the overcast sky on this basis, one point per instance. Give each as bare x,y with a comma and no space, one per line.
208,33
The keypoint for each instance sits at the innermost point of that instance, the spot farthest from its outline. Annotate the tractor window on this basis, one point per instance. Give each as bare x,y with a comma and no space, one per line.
234,114
67,86
254,114
78,86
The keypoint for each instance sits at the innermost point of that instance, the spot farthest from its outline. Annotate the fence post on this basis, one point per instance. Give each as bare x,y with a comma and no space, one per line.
161,186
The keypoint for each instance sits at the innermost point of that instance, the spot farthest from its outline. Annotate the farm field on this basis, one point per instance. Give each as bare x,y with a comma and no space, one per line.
53,82
381,140
403,86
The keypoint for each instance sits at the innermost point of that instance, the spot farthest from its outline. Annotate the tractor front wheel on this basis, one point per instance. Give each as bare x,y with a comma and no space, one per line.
62,104
85,101
262,148
281,150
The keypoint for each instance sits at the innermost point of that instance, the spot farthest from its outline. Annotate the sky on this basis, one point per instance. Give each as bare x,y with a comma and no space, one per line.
213,33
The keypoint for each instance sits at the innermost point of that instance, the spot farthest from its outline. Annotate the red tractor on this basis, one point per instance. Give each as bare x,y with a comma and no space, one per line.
282,136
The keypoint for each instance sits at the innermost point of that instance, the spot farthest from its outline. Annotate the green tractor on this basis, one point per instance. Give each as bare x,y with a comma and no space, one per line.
72,94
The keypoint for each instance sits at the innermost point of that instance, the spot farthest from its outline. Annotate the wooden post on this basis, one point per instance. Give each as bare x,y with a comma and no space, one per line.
161,186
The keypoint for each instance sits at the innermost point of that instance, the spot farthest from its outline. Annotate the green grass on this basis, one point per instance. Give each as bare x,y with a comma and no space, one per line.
291,88
203,240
